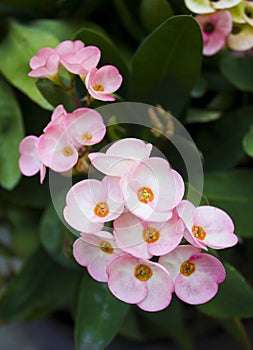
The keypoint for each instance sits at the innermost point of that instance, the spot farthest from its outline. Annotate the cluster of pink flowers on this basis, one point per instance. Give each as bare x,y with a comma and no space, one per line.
224,23
62,144
144,260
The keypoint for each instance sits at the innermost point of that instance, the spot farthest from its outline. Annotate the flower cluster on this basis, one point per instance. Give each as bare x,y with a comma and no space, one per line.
63,144
157,241
224,22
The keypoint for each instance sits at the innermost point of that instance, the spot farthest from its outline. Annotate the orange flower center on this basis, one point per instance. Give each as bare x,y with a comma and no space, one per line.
98,87
145,195
151,235
67,151
199,232
106,247
143,272
187,268
101,209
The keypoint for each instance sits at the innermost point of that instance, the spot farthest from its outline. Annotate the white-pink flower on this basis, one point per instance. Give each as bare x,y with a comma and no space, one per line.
45,64
196,276
58,117
55,150
143,239
207,226
141,282
152,189
121,156
96,251
90,203
29,161
69,47
215,28
102,82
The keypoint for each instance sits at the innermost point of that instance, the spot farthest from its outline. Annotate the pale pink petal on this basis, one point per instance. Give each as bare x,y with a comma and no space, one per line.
186,210
58,112
47,68
160,289
41,57
29,162
225,4
55,150
122,282
68,46
42,172
202,284
130,148
85,252
112,184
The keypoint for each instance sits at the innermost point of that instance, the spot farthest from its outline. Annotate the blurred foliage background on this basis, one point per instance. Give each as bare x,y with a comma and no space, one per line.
157,47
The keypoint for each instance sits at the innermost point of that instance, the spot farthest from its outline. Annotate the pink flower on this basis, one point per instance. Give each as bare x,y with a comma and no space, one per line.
141,282
45,64
55,150
29,162
96,251
207,226
85,127
102,82
152,189
69,47
121,156
215,29
196,276
144,239
90,203
58,116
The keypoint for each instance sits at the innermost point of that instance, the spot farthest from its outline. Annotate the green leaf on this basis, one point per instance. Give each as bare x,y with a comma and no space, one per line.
153,13
11,133
21,43
196,115
233,192
55,236
41,287
99,315
29,3
248,142
54,94
238,70
221,141
166,67
234,298
236,329
110,53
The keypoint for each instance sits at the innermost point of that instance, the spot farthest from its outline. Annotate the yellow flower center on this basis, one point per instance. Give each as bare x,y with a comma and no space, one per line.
199,232
151,235
145,195
86,136
101,209
143,272
67,151
187,268
98,87
106,247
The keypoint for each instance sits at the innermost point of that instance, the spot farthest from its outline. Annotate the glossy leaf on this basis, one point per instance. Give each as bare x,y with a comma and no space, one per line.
221,142
21,43
165,67
99,315
42,286
11,133
153,13
232,191
238,69
234,299
248,142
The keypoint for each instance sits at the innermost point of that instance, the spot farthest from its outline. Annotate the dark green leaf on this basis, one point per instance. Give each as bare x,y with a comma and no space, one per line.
238,69
166,67
234,299
221,141
248,142
21,43
54,94
195,115
233,192
11,133
41,287
28,3
153,13
99,315
237,330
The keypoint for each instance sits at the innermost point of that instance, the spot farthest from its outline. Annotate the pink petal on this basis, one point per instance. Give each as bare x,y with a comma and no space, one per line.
68,46
202,284
58,112
41,57
108,77
122,282
160,289
29,162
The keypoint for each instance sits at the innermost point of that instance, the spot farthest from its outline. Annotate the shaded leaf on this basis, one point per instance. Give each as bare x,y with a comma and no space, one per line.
232,191
11,133
237,330
165,67
153,13
195,115
99,315
248,142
